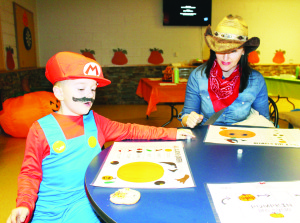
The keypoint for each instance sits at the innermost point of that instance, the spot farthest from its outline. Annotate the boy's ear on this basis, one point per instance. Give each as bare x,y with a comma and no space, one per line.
58,93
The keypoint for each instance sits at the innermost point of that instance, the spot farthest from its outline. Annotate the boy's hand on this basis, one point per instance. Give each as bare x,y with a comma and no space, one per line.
18,215
193,119
184,133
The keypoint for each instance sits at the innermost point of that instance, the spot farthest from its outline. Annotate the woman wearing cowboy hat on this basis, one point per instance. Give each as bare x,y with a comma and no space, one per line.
225,83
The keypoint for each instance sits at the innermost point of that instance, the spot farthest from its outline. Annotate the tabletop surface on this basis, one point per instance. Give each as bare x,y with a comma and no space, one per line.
284,87
209,163
155,91
282,79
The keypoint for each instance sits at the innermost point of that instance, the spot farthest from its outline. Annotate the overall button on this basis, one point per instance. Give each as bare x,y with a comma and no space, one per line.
92,141
59,146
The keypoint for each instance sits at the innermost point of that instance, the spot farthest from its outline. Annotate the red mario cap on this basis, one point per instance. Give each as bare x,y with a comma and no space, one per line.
69,65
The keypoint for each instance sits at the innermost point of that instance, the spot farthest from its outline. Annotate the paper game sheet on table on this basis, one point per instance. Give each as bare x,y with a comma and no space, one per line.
253,136
145,165
259,202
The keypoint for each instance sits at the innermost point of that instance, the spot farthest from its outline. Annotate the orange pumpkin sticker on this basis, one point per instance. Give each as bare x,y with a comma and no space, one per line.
247,197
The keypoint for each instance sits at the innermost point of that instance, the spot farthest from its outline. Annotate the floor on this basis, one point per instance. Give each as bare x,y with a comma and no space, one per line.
12,149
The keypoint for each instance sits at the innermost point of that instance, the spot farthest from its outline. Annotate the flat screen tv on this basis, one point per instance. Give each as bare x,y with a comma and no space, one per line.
187,12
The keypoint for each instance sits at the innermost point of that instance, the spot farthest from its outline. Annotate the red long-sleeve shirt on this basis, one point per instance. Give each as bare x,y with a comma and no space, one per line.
37,148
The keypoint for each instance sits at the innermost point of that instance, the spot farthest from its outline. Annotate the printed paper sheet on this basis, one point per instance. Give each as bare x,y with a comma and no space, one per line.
259,202
253,136
146,165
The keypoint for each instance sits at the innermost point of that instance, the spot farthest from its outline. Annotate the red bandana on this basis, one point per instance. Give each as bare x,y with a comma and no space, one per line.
223,92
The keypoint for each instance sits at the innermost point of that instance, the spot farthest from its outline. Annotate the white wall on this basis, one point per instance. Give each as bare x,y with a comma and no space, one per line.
8,24
136,25
104,25
275,22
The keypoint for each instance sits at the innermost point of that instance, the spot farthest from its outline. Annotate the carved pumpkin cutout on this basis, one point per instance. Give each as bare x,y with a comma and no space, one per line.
55,105
21,112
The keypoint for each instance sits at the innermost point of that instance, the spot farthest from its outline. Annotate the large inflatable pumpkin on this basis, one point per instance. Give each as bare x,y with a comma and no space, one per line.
19,113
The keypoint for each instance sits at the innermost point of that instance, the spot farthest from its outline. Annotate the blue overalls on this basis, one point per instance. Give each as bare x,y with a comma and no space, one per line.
62,196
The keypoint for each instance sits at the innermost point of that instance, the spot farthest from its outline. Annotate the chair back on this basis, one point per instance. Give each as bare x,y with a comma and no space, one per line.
273,110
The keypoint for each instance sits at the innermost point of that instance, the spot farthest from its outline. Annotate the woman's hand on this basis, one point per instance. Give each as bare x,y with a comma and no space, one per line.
192,119
184,134
18,215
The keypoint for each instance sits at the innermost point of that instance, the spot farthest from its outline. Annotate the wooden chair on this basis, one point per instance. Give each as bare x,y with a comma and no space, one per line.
273,110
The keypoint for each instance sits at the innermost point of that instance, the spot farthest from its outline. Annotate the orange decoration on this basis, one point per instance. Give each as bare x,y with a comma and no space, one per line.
168,74
119,57
10,63
253,57
156,56
88,53
19,113
279,56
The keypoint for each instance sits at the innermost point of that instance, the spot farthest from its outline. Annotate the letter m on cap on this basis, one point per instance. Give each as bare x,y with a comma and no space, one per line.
92,69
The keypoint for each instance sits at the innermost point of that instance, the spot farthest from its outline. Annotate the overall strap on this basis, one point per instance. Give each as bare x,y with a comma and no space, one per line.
52,130
90,129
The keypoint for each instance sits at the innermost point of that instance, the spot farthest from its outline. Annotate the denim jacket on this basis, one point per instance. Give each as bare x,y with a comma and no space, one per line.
197,99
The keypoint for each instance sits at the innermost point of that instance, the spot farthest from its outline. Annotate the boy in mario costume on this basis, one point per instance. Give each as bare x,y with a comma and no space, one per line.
60,146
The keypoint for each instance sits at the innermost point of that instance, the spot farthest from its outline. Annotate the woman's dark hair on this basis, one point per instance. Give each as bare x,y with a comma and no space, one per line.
245,69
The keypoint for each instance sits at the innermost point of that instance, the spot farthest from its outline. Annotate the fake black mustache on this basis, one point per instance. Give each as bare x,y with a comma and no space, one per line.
84,99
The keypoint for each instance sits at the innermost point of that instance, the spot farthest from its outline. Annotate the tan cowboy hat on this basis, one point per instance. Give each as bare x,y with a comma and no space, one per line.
231,33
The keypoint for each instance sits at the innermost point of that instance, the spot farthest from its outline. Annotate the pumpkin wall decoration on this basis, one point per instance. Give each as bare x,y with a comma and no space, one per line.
156,56
21,112
279,56
253,57
10,63
119,57
88,53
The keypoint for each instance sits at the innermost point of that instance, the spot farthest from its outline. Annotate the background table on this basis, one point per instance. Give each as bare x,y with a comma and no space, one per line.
153,92
209,163
283,87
